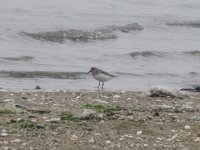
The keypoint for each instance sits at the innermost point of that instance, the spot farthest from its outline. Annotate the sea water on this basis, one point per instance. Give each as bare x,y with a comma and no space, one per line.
54,43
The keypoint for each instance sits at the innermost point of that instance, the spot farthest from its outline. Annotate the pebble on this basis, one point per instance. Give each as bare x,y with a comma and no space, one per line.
197,139
74,137
139,133
86,114
116,96
97,134
77,97
53,119
187,127
4,134
8,100
16,141
91,141
108,142
101,101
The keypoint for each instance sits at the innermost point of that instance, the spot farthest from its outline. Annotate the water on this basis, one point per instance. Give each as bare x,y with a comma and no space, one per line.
54,43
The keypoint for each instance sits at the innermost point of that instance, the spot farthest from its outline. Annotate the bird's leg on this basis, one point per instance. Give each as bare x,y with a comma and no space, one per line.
102,85
99,84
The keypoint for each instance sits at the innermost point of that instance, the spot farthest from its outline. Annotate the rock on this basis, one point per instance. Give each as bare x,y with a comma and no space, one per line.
24,97
16,141
164,92
187,127
4,134
108,142
101,101
91,141
86,114
40,126
139,133
53,120
116,96
38,87
155,113
8,100
74,137
197,139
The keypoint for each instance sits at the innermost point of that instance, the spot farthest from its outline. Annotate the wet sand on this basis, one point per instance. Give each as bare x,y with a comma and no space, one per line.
99,120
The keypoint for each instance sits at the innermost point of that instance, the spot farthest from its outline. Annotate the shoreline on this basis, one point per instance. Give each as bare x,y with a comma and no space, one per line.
40,120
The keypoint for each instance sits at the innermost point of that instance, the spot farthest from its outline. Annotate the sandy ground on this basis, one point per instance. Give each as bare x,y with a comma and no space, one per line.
66,120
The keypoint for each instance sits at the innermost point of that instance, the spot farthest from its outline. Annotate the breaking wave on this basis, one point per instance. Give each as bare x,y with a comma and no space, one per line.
21,58
195,24
194,53
42,74
146,54
80,35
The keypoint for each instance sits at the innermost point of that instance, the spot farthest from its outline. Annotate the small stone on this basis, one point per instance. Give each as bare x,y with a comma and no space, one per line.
91,141
116,96
16,141
139,133
8,100
74,137
53,120
77,97
130,117
4,134
145,145
174,136
86,114
108,142
197,139
97,134
24,97
38,87
187,127
40,126
131,145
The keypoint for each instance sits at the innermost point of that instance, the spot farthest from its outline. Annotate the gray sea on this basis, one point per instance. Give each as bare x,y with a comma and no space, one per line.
53,43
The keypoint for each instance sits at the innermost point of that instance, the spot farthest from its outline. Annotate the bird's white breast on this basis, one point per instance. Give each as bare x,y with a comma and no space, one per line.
102,77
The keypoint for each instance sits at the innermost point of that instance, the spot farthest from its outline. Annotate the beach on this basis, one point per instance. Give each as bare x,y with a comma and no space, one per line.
60,120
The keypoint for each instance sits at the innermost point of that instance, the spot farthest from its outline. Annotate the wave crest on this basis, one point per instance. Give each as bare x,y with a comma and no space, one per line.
195,24
146,54
41,74
21,58
81,35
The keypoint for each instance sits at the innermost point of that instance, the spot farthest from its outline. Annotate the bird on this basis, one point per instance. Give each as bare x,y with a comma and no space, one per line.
100,75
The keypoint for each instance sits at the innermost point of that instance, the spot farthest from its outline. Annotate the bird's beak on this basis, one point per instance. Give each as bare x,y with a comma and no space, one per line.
88,72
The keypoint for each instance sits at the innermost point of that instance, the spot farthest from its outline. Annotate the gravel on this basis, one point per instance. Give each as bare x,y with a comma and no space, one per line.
97,120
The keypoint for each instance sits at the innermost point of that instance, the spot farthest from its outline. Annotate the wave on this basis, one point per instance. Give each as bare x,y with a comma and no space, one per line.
162,74
42,74
194,74
105,33
21,58
194,53
195,24
146,54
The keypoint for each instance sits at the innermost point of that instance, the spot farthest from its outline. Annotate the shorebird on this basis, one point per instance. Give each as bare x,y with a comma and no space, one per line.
100,75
